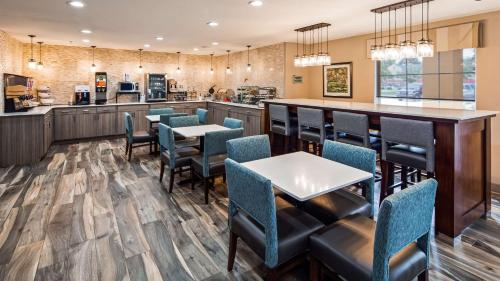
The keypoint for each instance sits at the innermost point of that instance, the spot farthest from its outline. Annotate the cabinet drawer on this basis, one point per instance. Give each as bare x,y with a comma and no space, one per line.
131,108
86,110
106,109
64,111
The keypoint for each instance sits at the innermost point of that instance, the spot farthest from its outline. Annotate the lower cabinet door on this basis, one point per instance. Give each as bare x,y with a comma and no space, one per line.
65,127
86,125
107,124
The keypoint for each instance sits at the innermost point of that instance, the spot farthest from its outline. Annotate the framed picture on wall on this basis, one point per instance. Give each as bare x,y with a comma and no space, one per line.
337,80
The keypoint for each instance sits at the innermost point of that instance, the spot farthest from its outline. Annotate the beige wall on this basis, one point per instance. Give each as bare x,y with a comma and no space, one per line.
10,59
268,68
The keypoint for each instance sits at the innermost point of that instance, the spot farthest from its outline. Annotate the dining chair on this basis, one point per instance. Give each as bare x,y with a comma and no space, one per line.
175,158
184,121
274,229
280,123
249,148
210,163
202,115
135,137
165,118
160,111
396,247
339,204
232,123
313,128
409,143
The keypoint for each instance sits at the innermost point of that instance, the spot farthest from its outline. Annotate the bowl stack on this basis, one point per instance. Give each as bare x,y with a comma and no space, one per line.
45,96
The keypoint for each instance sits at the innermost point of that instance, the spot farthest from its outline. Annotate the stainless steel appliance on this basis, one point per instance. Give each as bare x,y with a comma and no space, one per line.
82,94
130,87
175,92
155,87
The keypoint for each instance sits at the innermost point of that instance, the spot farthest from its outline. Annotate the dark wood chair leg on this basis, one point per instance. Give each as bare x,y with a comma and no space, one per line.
206,184
384,184
314,270
287,144
404,177
126,146
272,274
430,175
129,151
224,178
162,169
320,150
192,178
233,241
391,178
180,171
171,181
150,147
419,176
424,276
271,139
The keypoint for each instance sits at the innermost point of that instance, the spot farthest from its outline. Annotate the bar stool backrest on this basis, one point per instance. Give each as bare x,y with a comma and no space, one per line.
409,132
311,118
352,124
278,114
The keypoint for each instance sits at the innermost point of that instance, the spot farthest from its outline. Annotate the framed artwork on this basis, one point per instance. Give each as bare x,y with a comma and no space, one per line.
337,80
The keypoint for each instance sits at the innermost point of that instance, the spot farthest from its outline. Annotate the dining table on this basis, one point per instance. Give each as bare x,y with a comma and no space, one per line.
304,176
198,132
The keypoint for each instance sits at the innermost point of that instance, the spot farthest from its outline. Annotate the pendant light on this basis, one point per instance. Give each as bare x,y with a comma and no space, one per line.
228,69
140,69
178,63
391,49
39,65
31,61
425,47
374,50
211,64
93,67
296,60
249,66
408,47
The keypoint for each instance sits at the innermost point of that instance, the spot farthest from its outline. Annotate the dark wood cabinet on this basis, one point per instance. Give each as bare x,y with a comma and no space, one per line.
65,124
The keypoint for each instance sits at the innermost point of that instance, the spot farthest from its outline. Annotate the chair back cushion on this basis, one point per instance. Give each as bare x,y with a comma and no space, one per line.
352,124
202,115
232,123
184,121
403,218
357,157
311,118
253,194
129,126
279,114
167,142
215,144
160,111
165,118
249,148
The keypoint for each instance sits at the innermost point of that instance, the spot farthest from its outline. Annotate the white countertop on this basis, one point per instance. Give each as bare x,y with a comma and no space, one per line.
198,131
304,176
425,112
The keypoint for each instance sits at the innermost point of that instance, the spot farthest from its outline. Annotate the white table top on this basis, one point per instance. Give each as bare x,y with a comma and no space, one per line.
153,118
304,176
198,131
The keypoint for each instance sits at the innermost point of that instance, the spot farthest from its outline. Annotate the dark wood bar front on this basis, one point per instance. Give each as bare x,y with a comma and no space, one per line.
463,154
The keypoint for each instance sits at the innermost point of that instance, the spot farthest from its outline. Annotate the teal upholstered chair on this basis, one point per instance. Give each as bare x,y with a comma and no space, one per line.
133,137
160,111
340,203
232,123
202,115
170,155
165,118
211,162
249,148
184,121
275,230
396,247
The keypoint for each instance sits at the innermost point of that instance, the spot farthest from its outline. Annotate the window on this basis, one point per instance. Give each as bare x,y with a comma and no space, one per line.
448,75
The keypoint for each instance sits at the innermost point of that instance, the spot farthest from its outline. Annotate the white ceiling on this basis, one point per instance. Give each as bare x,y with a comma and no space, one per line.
129,24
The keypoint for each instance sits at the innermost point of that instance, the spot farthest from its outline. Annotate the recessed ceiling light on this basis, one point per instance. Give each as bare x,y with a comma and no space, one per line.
86,31
215,43
196,49
256,3
76,4
159,38
147,45
86,40
212,23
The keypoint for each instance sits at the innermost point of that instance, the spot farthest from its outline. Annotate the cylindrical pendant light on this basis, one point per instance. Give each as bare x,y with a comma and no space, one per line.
178,63
228,69
31,61
140,69
296,60
408,48
374,47
391,49
39,65
425,47
93,66
249,66
211,64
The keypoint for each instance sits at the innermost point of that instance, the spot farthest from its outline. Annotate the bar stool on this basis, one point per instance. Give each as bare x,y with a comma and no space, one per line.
409,143
354,129
281,124
312,128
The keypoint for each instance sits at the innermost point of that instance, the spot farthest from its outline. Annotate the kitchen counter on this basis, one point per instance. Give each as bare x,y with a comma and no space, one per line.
455,115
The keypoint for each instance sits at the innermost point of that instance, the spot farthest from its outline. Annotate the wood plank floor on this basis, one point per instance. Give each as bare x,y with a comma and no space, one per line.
85,213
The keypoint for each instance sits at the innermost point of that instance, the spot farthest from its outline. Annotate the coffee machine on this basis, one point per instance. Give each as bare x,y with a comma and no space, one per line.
82,94
101,87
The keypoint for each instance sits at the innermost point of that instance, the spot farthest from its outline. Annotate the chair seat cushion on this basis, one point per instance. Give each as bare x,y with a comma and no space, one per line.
405,155
216,164
337,205
294,228
314,135
182,157
375,143
142,136
346,247
280,128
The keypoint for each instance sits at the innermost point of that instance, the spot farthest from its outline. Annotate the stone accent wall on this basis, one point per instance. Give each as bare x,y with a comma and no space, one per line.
10,60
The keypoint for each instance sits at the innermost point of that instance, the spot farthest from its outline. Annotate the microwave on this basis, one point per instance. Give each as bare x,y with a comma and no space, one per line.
128,87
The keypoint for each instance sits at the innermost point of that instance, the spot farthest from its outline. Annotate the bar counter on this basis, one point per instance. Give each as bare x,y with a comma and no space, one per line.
463,154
